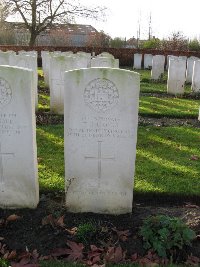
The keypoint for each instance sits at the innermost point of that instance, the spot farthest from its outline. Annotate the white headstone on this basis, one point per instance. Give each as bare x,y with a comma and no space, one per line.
105,62
168,58
45,66
28,53
105,54
176,76
46,58
158,67
196,77
137,61
190,66
84,56
5,57
29,62
18,154
81,61
199,114
58,65
148,61
101,118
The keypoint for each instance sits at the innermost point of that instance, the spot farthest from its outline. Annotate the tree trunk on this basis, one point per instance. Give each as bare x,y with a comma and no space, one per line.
32,39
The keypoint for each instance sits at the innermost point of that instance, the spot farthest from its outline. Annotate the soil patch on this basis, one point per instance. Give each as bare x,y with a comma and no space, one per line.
37,229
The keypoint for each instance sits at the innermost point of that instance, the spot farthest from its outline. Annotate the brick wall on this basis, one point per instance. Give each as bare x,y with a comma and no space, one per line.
125,55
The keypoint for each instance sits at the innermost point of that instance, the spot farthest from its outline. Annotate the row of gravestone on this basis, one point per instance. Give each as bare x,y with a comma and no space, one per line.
54,66
100,132
56,63
24,60
180,70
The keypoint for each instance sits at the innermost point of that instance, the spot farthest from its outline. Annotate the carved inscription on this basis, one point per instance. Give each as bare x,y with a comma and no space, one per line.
100,127
9,124
101,95
2,156
99,158
5,93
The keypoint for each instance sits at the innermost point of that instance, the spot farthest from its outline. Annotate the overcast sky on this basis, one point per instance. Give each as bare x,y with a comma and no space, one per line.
166,17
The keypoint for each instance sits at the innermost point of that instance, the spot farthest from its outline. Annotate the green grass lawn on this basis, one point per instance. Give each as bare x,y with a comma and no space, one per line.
168,107
163,164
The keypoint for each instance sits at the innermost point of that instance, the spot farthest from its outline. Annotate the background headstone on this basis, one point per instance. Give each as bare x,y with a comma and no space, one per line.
137,61
196,77
148,61
158,67
190,67
176,76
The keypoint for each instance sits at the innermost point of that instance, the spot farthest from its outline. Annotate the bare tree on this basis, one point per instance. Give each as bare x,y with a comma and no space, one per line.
4,11
38,15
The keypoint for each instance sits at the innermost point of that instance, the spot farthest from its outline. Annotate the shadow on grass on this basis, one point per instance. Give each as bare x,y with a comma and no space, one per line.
50,143
170,107
165,162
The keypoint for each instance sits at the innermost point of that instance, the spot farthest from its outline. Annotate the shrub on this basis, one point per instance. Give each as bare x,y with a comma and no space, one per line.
163,233
85,232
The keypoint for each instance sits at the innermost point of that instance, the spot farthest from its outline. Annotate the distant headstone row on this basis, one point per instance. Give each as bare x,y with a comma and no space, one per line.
26,60
56,63
180,70
100,130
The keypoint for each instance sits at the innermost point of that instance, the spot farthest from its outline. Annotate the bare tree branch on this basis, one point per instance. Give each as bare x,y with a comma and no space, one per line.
38,15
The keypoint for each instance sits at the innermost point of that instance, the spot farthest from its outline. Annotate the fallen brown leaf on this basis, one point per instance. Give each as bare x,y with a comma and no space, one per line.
114,255
71,231
13,217
60,221
76,251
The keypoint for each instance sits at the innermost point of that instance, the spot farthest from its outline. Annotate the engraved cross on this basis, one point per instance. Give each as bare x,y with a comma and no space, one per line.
2,155
99,158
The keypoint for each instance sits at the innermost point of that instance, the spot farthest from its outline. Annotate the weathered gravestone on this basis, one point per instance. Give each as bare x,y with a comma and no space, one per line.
137,61
5,57
196,77
18,155
101,118
105,62
158,67
29,62
190,67
176,76
105,54
58,65
148,61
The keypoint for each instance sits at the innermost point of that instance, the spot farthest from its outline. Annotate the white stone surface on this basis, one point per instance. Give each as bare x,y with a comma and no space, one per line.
168,58
100,130
84,57
45,66
199,114
137,61
28,53
105,54
176,76
58,65
148,61
196,77
29,62
18,154
5,57
190,66
158,67
105,62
